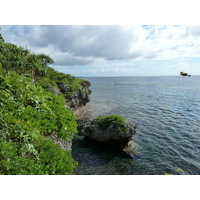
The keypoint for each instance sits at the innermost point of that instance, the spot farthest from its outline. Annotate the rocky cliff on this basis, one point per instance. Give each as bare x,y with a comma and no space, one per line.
77,98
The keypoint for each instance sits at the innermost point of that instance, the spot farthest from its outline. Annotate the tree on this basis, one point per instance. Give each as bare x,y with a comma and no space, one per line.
37,64
6,56
1,38
13,57
22,61
45,59
21,64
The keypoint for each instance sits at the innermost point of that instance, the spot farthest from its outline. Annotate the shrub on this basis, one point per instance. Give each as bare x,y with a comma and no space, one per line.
115,120
29,116
47,158
59,77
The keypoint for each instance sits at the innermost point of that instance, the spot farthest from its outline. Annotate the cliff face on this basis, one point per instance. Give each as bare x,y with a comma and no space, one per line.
80,97
76,98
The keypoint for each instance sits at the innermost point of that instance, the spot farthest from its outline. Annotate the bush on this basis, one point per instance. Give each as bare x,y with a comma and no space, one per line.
115,120
29,116
59,77
42,157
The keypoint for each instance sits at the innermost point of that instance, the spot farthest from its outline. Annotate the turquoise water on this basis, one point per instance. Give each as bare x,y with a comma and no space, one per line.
166,111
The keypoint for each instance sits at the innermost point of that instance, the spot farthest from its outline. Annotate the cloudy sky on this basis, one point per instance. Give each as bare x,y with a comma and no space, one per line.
105,50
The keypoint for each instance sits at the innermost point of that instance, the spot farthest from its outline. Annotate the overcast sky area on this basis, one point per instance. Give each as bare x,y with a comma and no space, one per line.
89,50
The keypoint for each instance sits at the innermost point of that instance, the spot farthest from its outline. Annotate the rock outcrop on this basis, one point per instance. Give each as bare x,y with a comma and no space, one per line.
184,74
65,145
75,101
54,90
111,136
76,98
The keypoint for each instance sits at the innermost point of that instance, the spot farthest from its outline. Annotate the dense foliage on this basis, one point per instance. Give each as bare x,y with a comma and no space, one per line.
115,120
35,66
60,77
30,115
54,78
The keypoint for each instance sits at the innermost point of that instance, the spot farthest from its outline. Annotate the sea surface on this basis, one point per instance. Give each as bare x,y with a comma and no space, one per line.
166,111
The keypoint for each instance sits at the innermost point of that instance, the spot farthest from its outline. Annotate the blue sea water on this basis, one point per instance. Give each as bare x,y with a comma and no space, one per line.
166,111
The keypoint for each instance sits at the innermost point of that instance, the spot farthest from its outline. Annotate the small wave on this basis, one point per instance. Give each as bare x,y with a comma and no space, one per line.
167,113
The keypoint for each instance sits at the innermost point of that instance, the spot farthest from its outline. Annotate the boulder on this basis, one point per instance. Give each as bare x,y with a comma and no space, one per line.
109,131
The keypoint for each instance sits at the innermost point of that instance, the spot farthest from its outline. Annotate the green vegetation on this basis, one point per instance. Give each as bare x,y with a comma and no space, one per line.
1,38
57,78
115,120
177,172
30,115
35,66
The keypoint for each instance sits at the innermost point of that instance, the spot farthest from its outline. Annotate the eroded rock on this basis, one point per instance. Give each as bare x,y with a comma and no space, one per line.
77,98
115,135
65,145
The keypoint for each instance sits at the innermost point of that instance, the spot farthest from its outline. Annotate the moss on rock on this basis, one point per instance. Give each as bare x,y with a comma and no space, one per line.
115,120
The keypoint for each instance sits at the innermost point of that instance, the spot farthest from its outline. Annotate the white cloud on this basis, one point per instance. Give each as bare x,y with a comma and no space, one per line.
108,46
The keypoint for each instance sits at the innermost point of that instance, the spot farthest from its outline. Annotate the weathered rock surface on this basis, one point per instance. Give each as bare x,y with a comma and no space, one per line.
54,90
65,145
76,98
110,136
63,87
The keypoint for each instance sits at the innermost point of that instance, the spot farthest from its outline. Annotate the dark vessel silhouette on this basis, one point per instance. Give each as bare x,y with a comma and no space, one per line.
184,74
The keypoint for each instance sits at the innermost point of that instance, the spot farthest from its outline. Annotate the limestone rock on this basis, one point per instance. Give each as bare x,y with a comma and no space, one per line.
64,88
80,98
65,145
110,136
77,98
54,90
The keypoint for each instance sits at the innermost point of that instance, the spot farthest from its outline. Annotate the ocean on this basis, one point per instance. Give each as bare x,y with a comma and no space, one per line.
166,111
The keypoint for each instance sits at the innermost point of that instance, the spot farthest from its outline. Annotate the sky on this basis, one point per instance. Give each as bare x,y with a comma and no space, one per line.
113,50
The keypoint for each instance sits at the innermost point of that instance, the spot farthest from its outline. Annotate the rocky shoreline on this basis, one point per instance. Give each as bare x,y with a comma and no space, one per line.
82,112
95,160
97,150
